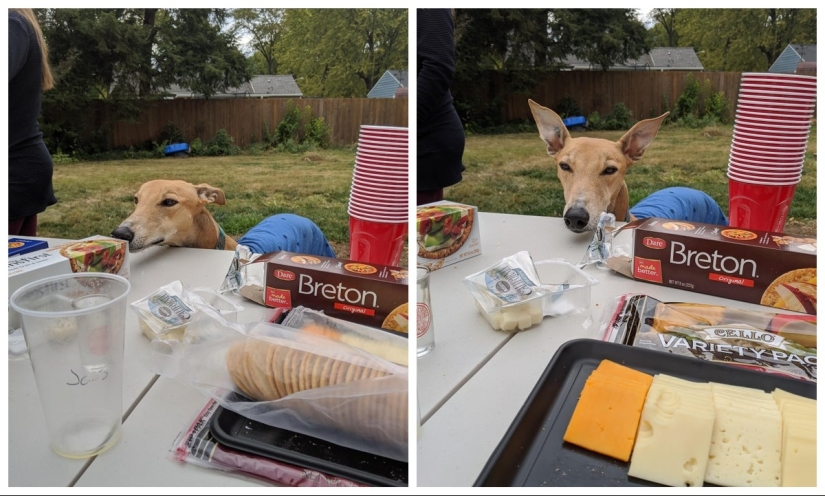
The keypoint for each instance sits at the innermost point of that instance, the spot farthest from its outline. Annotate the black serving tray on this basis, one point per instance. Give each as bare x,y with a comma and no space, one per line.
238,432
533,452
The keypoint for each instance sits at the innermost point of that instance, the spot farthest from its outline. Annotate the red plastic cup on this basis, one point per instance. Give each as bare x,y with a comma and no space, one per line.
758,206
376,242
758,160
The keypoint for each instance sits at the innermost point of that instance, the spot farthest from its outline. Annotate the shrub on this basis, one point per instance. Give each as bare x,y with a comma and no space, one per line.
222,144
171,134
688,101
290,125
60,158
317,132
620,117
568,107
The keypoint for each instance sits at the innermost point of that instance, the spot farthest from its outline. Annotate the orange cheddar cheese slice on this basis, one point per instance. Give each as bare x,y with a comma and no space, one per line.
616,370
607,414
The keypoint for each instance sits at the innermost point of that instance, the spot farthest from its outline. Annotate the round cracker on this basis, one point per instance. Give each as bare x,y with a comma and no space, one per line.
352,371
234,364
305,369
342,372
273,374
295,370
278,369
315,373
326,371
286,371
259,371
250,368
335,370
770,297
390,322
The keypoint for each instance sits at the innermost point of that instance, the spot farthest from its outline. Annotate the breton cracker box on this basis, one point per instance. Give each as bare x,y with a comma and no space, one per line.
368,294
767,268
92,254
447,233
20,246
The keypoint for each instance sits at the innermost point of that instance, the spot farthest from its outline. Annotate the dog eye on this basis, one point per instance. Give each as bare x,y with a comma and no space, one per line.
136,200
609,171
168,202
564,166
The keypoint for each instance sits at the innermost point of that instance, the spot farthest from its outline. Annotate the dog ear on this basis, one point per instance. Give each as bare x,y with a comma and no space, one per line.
210,194
551,127
634,142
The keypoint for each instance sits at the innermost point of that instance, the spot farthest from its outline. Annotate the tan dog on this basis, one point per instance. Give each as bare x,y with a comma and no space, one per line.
173,213
592,170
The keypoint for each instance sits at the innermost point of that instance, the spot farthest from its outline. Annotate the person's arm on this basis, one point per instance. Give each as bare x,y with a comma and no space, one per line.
18,44
436,58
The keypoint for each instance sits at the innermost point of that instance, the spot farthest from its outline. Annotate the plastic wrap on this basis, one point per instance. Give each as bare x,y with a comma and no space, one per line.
381,343
165,313
508,293
780,343
292,379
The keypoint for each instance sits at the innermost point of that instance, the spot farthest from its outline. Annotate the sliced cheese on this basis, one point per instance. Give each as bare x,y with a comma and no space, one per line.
674,433
798,438
746,446
606,416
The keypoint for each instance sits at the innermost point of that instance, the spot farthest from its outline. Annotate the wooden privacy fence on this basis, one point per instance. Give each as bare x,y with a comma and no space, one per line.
246,119
645,93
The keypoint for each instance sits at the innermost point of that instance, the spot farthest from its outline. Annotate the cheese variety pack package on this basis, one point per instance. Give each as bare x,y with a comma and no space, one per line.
447,233
779,343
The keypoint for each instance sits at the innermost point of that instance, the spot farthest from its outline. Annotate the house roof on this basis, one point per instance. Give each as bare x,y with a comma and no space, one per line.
387,84
267,85
806,53
669,58
791,56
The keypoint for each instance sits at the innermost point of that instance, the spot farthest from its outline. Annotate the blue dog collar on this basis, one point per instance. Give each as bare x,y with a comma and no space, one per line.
221,239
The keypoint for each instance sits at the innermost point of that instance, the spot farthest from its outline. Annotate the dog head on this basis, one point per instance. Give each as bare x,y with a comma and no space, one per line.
171,213
592,170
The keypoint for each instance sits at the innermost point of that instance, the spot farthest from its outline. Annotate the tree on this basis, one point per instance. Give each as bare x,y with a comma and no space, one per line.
342,52
745,40
523,45
194,52
603,37
664,32
264,26
126,57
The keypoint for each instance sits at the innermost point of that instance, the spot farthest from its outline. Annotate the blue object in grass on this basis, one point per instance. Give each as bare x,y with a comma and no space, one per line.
19,246
578,120
176,148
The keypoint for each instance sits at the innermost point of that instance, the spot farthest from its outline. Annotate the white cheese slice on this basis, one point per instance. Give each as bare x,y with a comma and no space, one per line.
674,435
745,448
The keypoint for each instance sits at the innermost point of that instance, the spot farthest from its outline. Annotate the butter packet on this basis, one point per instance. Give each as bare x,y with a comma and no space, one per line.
509,293
165,313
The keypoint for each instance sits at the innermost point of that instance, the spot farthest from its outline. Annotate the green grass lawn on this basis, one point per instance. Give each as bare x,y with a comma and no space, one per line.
512,173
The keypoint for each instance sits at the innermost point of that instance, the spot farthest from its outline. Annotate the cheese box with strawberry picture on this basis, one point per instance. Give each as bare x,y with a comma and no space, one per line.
447,233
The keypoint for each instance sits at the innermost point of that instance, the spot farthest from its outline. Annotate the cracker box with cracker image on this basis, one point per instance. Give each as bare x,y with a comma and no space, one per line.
773,269
369,294
447,233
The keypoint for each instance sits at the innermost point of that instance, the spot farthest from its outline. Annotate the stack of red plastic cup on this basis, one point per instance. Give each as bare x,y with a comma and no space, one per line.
770,135
379,196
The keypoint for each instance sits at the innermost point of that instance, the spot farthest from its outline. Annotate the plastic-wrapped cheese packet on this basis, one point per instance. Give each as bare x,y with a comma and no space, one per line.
509,294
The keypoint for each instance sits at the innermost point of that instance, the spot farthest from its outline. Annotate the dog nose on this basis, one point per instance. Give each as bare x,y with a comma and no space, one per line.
576,219
123,233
